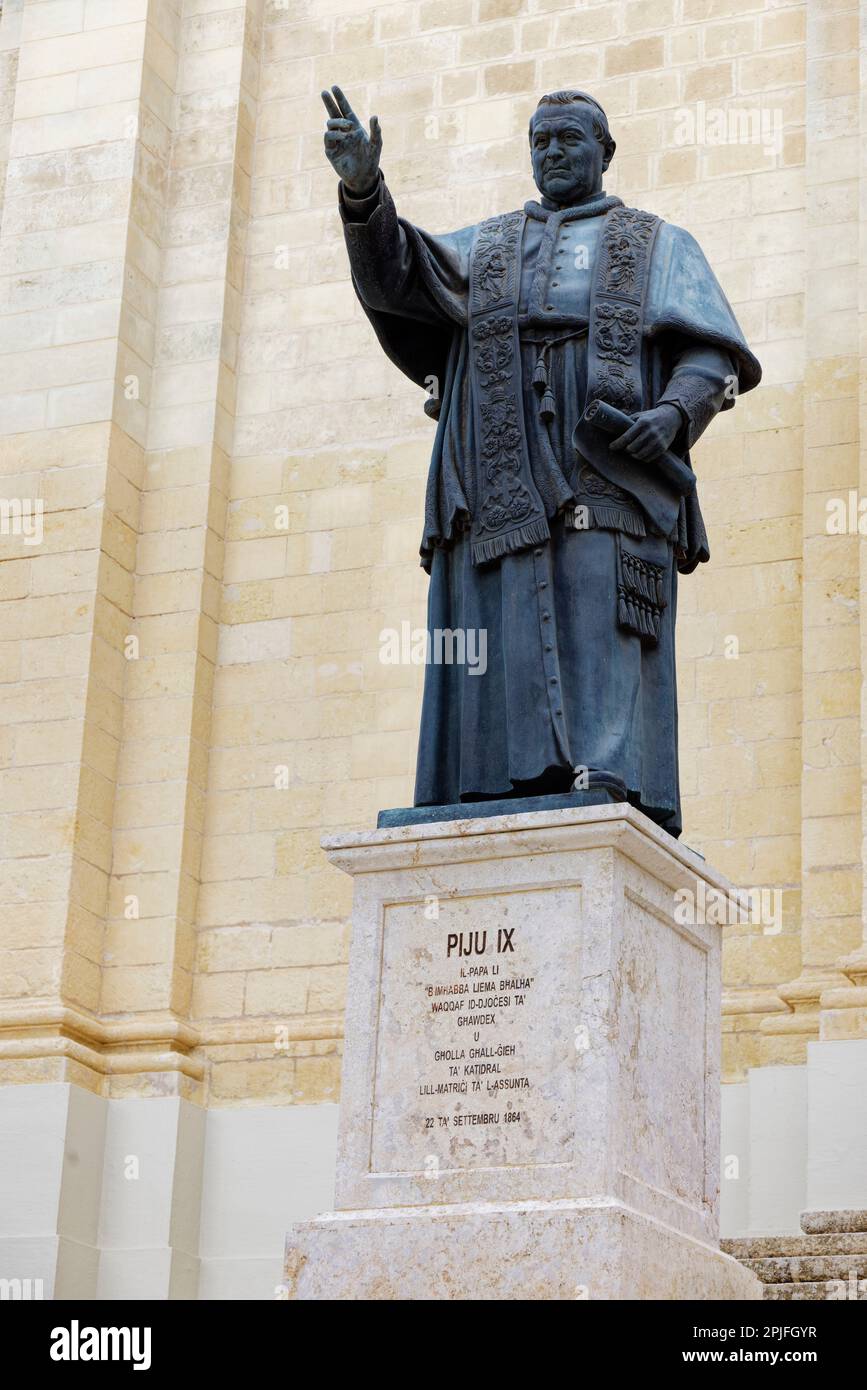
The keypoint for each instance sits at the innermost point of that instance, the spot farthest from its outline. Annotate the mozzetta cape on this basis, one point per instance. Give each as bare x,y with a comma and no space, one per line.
470,279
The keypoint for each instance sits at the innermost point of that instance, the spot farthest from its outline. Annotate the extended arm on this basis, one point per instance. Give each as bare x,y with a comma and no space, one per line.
383,262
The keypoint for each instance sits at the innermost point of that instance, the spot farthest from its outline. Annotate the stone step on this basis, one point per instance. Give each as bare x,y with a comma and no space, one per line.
772,1247
820,1222
809,1269
829,1262
814,1292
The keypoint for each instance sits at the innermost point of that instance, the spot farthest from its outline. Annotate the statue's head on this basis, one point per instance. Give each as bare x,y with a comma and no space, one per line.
570,145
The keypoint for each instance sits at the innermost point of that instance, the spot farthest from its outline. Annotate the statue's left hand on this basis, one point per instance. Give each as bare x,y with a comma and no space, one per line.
651,433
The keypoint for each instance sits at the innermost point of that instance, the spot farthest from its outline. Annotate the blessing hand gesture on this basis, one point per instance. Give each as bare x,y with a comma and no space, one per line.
351,151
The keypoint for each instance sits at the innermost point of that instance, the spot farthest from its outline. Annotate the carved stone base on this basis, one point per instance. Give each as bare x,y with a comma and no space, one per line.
531,1081
529,1250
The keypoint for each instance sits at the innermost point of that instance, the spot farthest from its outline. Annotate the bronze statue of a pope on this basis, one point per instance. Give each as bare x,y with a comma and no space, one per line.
578,349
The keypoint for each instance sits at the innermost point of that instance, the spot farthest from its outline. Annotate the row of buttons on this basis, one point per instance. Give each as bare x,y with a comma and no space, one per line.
546,618
558,266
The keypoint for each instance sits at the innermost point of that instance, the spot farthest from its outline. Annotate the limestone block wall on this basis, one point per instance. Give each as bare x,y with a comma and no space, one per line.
230,476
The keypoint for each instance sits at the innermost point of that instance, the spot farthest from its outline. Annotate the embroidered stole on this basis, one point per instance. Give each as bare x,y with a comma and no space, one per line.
617,302
509,514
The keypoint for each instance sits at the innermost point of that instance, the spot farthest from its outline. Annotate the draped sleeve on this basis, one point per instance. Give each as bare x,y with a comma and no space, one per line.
412,286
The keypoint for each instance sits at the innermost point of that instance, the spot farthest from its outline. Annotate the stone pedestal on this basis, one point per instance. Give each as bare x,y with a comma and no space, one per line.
531,1089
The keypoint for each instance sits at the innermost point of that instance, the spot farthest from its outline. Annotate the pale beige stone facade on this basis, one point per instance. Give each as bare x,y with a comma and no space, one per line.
232,477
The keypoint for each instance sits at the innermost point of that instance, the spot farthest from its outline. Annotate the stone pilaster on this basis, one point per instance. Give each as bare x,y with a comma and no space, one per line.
69,293
844,1006
831,846
124,273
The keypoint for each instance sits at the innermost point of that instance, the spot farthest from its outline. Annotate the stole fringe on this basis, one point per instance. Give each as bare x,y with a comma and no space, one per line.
534,533
609,517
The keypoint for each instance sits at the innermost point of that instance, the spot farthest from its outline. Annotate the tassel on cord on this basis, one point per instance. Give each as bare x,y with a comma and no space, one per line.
640,598
547,405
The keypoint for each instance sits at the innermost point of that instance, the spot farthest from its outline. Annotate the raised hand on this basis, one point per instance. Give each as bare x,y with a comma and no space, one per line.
351,151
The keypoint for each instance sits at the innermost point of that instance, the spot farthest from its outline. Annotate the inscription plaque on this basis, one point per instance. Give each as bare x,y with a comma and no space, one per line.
478,1032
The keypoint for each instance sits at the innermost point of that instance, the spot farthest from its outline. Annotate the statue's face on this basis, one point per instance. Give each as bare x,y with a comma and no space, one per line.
568,160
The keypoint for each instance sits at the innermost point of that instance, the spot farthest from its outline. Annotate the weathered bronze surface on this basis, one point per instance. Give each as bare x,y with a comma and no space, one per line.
572,351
